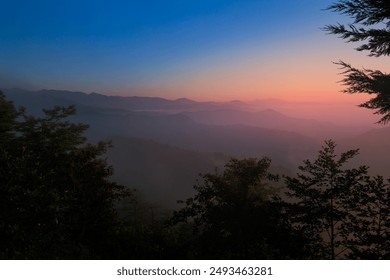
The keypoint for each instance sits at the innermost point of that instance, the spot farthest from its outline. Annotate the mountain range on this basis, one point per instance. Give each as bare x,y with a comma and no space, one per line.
160,145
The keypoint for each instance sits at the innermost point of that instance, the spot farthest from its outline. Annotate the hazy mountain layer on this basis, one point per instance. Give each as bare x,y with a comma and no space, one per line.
160,145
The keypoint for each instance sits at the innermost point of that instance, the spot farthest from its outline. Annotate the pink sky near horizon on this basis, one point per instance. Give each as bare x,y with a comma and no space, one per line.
297,73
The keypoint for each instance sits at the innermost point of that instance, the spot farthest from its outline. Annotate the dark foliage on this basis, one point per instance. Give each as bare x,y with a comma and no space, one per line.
371,25
56,200
343,212
366,227
320,195
237,215
371,82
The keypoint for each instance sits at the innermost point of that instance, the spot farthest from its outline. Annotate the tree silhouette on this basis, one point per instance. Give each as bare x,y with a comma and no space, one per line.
371,25
320,194
237,214
366,228
56,199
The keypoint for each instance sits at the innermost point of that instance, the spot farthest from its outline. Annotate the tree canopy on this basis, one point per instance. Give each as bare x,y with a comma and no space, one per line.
319,194
371,24
237,214
342,212
56,199
371,27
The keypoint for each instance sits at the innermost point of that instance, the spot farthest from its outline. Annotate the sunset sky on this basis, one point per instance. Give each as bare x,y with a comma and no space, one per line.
198,49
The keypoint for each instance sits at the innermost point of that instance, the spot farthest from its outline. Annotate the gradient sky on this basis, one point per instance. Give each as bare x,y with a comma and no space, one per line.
199,49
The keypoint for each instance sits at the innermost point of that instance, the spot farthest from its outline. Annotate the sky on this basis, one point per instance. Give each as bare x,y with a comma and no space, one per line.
198,49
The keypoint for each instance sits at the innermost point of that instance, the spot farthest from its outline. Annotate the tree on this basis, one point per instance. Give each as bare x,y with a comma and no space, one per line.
237,214
56,199
366,228
371,26
319,197
366,13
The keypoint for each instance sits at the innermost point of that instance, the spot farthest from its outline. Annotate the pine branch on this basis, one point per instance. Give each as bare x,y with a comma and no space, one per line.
371,82
366,13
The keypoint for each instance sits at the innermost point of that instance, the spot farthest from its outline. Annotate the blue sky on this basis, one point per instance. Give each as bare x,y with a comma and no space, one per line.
204,49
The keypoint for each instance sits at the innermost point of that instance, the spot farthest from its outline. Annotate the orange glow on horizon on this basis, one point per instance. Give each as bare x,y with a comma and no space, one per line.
296,74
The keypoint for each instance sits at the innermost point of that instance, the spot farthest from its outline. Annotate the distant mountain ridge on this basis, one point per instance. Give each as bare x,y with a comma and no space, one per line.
170,122
212,113
173,138
114,102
